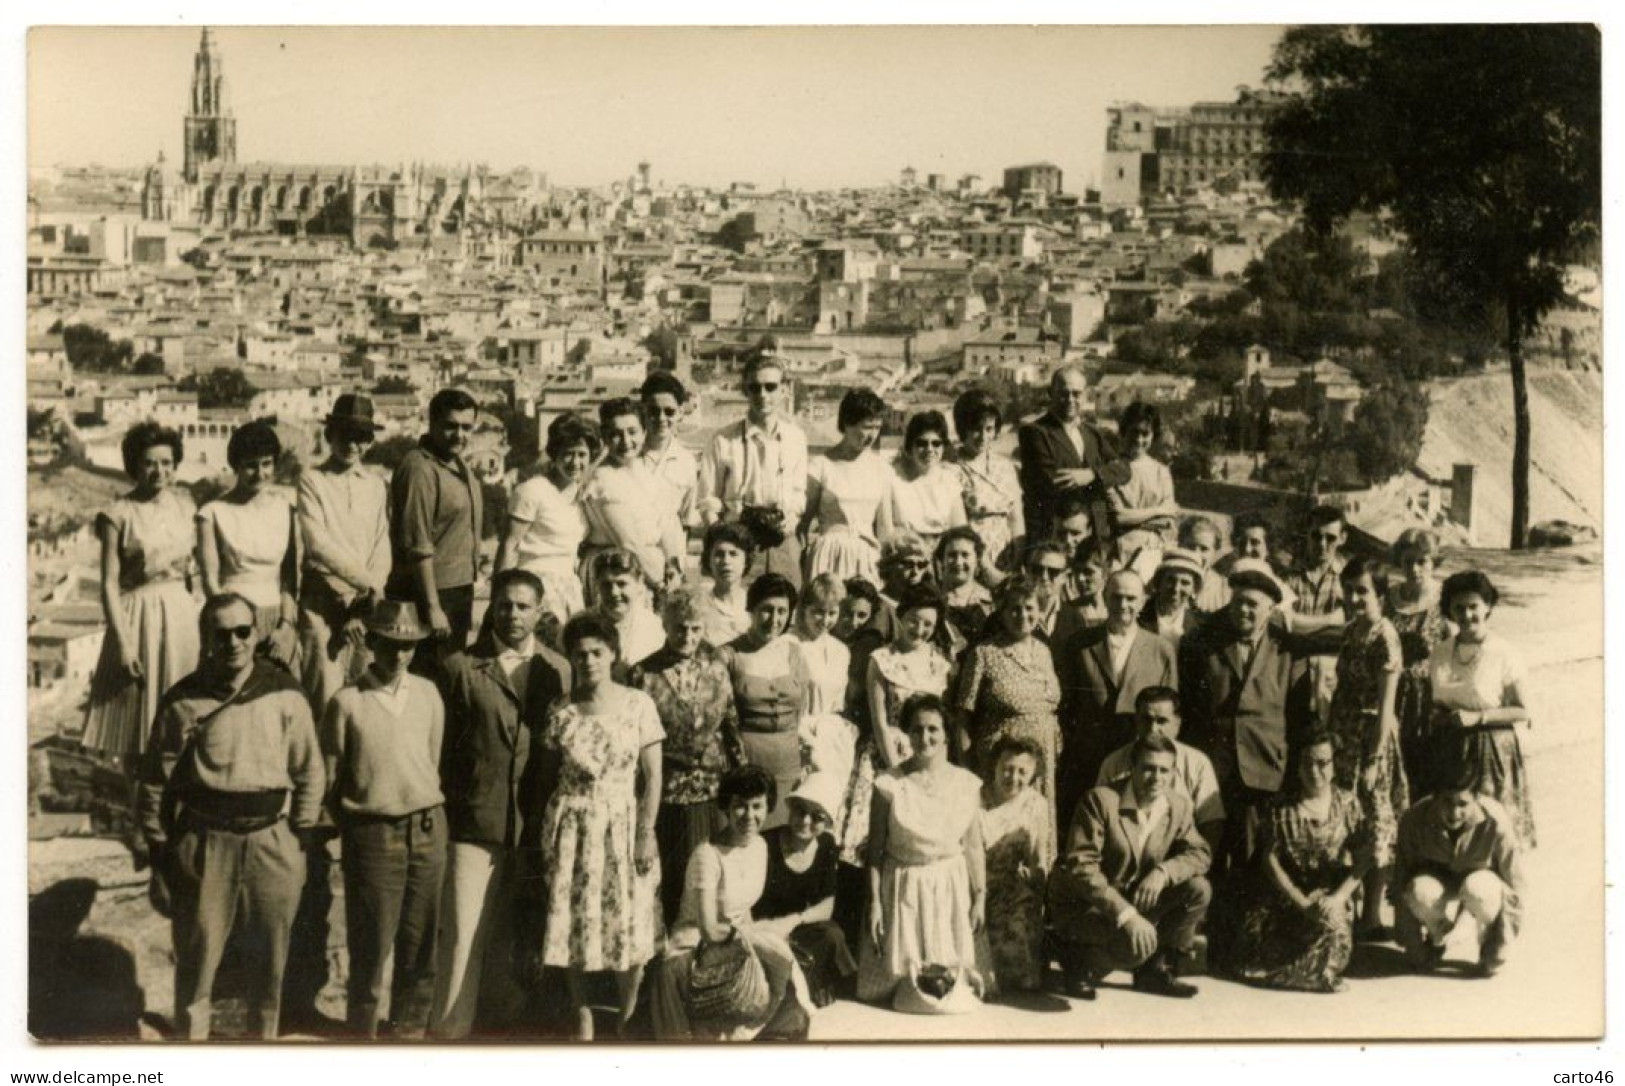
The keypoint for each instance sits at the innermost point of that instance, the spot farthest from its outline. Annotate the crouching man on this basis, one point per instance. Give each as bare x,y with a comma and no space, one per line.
1458,854
1130,889
231,786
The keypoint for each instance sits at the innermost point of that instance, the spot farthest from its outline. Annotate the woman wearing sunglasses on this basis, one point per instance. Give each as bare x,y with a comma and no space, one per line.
927,498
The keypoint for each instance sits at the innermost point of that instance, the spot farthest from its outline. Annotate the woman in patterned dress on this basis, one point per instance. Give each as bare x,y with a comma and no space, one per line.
991,484
247,541
1019,834
849,494
1289,922
694,695
546,524
1007,688
1365,731
1413,608
152,637
601,772
927,497
1479,700
958,557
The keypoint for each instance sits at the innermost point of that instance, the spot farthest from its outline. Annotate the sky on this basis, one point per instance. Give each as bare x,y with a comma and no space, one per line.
811,107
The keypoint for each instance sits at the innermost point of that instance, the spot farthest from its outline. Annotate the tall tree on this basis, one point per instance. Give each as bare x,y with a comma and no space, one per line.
1483,142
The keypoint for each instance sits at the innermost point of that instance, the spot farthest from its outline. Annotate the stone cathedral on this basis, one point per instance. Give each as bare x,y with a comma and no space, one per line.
371,205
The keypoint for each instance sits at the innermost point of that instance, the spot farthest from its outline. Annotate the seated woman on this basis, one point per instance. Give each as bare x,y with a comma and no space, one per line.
724,560
927,878
770,681
991,484
958,558
622,597
849,494
1290,921
1018,831
927,497
799,900
694,694
1144,506
721,887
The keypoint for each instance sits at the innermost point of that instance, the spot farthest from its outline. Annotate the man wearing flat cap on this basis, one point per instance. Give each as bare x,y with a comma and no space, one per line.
1243,697
381,737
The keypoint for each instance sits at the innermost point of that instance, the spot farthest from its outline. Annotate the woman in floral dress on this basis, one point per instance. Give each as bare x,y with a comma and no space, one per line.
598,829
1019,836
694,695
1007,688
991,484
1289,923
1364,729
1413,608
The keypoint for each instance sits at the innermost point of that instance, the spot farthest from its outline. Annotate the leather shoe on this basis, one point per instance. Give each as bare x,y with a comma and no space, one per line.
1080,986
1160,979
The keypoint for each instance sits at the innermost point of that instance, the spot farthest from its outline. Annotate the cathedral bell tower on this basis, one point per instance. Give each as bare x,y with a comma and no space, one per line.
210,130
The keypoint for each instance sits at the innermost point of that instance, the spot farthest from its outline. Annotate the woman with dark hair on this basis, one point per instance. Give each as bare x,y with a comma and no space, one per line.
626,505
1413,608
1018,831
247,541
1479,701
848,494
1364,727
725,556
1007,688
958,560
927,497
146,566
601,771
693,691
798,901
1289,922
991,484
927,868
722,885
545,521
1144,507
770,684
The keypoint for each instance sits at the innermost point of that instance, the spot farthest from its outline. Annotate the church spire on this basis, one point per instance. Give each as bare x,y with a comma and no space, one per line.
210,131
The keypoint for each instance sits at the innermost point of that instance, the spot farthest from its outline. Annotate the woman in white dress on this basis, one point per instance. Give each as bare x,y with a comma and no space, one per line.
927,496
247,541
1144,506
724,560
927,867
626,505
848,494
828,739
991,483
545,522
724,880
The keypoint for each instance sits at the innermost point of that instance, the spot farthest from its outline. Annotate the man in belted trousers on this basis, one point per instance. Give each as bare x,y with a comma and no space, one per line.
231,786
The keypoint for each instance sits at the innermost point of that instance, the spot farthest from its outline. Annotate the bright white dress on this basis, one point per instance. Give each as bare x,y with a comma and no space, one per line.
847,496
927,505
555,527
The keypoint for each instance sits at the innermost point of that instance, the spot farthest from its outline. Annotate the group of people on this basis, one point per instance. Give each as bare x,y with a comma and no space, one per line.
922,729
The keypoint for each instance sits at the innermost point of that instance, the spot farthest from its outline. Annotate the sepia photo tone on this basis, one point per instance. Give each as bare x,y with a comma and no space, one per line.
814,534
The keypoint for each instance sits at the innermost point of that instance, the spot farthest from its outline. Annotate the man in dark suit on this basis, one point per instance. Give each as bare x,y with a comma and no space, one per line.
1102,670
498,695
1130,889
1242,681
1061,455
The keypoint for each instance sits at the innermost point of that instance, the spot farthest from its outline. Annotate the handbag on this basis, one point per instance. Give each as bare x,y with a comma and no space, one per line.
727,985
936,989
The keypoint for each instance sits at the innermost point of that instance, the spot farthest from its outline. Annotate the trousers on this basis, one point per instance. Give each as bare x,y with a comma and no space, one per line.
1092,940
325,665
394,870
1425,904
221,880
474,974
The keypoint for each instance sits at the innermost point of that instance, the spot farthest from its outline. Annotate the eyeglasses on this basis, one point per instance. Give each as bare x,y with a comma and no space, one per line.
1329,537
237,633
762,386
928,443
663,412
1052,572
914,563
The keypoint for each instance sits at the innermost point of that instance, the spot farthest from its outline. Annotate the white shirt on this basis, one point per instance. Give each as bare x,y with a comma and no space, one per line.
1145,819
679,469
515,664
1119,646
747,465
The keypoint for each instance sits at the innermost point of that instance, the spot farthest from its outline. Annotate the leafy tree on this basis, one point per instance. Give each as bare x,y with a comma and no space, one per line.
1483,142
734,234
389,452
578,354
394,386
148,364
1387,431
662,344
90,349
221,387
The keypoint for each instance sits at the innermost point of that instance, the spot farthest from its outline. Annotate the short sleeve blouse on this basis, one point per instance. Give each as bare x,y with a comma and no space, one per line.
555,530
1474,681
251,539
738,876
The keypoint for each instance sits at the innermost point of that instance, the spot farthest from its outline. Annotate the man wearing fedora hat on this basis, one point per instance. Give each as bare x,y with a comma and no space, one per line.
1240,679
344,524
343,517
382,737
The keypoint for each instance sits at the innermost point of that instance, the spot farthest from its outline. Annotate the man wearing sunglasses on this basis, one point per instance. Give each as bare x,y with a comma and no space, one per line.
1062,456
755,471
231,786
1315,581
669,460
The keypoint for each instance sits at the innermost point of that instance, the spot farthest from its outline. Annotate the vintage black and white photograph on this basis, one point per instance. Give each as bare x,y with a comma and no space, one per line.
704,534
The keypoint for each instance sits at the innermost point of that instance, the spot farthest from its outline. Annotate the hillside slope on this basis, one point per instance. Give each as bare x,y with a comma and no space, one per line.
1470,421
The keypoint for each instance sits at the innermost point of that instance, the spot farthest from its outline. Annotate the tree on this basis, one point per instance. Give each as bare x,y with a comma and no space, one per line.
662,344
148,364
90,349
221,387
1387,431
389,452
1483,142
394,386
578,354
